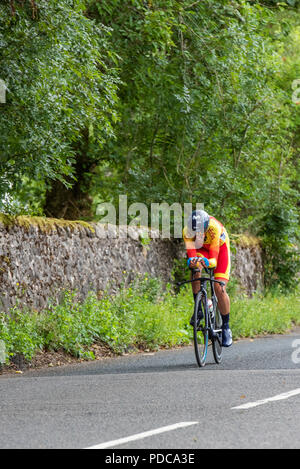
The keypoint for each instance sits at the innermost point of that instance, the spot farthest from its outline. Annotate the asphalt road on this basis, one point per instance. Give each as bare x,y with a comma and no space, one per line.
160,401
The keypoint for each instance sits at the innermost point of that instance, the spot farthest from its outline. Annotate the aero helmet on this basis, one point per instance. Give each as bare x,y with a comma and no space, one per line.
198,221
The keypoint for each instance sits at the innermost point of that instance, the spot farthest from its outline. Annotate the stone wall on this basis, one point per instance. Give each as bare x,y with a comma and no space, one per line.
39,258
247,263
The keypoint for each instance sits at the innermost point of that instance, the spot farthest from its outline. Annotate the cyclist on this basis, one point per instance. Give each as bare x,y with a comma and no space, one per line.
207,245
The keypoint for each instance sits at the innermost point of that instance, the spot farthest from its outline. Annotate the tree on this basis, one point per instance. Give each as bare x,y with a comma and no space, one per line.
60,91
162,100
202,116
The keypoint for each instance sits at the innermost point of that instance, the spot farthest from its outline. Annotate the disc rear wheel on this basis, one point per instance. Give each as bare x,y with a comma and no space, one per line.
217,341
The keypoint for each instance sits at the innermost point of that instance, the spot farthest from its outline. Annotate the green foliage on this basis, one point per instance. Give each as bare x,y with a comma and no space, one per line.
274,313
180,272
59,88
143,315
20,333
282,257
202,111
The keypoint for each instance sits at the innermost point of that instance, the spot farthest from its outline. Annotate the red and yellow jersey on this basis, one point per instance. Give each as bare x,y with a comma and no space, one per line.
215,236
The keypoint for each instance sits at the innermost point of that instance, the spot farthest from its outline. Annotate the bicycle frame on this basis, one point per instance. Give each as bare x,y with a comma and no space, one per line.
203,281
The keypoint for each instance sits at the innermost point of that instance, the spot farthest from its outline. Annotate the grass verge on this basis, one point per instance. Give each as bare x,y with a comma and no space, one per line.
142,316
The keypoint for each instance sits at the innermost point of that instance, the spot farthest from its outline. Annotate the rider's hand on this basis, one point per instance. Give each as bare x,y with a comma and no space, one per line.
197,262
192,262
204,261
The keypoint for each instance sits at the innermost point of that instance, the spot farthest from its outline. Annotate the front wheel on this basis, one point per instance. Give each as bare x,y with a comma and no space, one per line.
200,329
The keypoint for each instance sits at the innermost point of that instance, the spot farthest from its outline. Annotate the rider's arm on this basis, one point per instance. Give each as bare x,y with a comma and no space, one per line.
214,247
189,244
212,261
214,234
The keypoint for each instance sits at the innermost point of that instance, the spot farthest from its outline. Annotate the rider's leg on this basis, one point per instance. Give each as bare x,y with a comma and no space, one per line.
223,298
196,285
222,273
224,307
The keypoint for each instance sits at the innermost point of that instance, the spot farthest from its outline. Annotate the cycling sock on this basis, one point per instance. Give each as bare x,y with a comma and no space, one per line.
195,294
225,320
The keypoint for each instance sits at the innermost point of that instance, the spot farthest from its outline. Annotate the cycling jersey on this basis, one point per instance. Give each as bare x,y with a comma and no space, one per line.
214,246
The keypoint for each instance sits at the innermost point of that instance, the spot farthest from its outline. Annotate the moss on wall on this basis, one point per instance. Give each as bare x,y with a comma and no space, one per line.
245,240
45,225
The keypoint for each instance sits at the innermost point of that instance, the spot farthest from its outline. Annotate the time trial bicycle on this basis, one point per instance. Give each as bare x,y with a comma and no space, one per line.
207,319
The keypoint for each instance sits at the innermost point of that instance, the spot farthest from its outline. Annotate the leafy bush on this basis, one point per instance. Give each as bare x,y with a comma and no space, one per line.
272,313
21,333
144,315
280,233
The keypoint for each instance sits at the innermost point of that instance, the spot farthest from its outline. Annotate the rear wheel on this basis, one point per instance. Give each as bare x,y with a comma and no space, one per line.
217,341
200,329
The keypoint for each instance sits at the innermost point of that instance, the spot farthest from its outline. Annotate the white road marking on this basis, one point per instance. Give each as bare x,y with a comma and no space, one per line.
140,436
279,397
